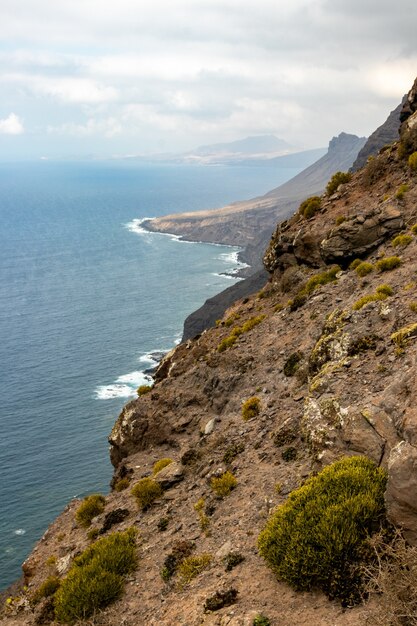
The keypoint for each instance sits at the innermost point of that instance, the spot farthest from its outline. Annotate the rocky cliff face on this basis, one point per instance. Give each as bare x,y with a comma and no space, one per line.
330,353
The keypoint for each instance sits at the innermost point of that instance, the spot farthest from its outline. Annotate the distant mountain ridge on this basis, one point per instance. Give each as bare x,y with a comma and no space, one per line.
248,145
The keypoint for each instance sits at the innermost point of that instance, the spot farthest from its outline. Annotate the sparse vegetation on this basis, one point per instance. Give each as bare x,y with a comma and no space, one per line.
142,390
413,307
384,290
251,408
146,491
401,241
162,524
364,268
46,589
317,538
232,452
92,534
224,484
414,229
191,566
412,161
310,207
292,364
261,620
289,454
404,335
401,191
90,507
220,599
199,507
232,559
373,171
340,219
322,278
180,551
355,264
122,483
229,341
388,263
337,179
96,577
381,293
159,465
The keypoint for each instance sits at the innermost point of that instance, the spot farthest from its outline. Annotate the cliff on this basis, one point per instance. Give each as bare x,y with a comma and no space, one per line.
328,359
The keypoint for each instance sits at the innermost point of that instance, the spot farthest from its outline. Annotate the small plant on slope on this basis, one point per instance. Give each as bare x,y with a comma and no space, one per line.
315,540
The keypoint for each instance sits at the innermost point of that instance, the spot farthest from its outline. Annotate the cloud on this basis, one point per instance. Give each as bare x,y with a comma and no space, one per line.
11,125
105,127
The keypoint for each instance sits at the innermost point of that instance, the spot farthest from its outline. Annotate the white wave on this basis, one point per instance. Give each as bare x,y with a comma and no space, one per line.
227,275
125,386
135,226
19,531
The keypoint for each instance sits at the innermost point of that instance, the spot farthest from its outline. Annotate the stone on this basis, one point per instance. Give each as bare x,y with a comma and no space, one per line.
400,496
113,517
209,427
170,476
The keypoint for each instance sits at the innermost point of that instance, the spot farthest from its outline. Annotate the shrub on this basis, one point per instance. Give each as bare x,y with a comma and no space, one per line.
92,534
146,491
337,179
232,559
289,454
413,307
401,241
403,336
359,304
142,390
402,189
261,620
159,465
239,330
191,566
162,524
364,268
373,171
291,365
220,599
122,484
49,586
310,207
412,161
414,229
251,408
340,219
204,520
355,264
90,507
232,451
384,290
180,551
96,577
315,539
322,278
223,485
388,263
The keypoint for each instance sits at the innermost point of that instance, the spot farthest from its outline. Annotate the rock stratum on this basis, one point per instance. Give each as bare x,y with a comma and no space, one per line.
330,353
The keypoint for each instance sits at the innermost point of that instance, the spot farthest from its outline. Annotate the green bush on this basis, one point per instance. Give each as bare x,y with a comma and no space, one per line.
412,161
401,241
96,577
322,278
384,290
223,485
388,263
191,566
364,268
310,207
414,229
337,179
261,620
402,189
251,408
159,465
239,330
146,491
90,507
316,539
292,364
355,264
142,390
122,484
49,586
340,219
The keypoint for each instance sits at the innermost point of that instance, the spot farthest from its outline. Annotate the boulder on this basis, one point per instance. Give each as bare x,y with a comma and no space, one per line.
400,496
170,476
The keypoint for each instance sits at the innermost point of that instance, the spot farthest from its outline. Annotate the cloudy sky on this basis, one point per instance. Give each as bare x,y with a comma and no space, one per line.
90,77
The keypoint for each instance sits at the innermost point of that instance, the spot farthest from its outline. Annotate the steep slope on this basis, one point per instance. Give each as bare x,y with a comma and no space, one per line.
331,356
243,223
382,136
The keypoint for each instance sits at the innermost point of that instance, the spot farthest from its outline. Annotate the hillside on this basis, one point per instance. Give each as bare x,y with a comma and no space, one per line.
330,355
252,221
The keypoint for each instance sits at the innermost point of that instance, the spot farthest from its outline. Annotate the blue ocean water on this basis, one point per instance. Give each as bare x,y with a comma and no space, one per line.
85,297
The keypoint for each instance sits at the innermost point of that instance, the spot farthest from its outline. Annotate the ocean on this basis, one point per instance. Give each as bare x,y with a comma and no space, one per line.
86,298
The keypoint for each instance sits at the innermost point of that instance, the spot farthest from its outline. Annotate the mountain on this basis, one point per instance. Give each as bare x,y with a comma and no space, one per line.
261,144
382,136
252,221
225,506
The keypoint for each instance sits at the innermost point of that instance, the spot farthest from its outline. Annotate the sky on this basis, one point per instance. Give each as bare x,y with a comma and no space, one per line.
94,78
